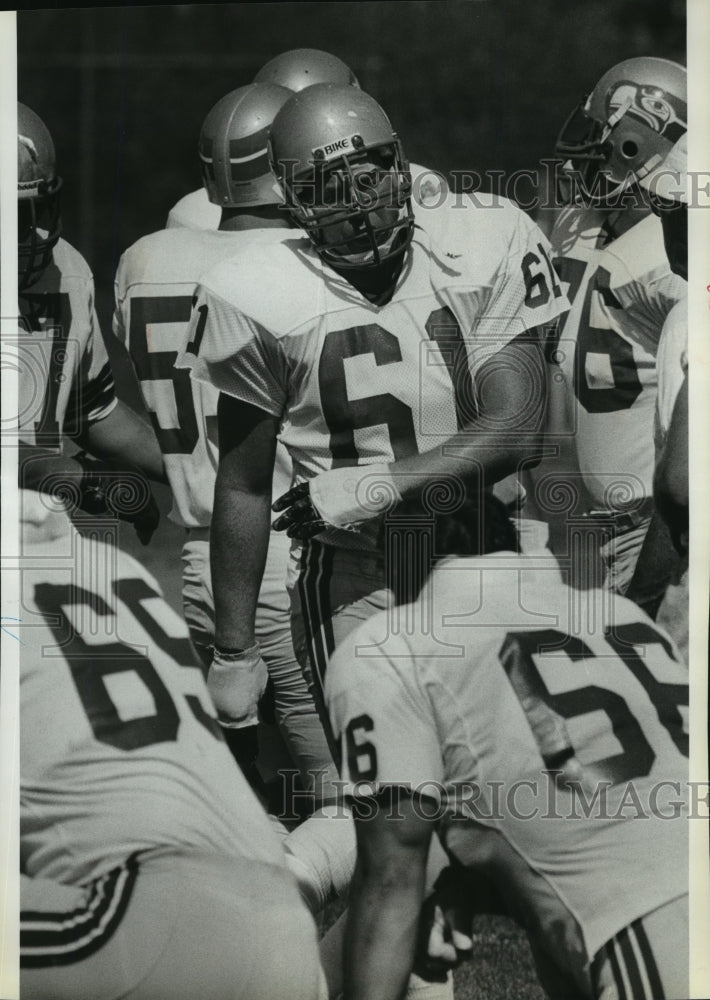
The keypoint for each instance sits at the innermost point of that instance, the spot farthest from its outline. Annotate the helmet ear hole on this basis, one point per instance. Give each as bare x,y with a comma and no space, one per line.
629,149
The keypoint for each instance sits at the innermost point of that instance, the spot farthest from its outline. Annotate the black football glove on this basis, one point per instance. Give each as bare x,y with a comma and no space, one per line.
103,490
444,934
301,519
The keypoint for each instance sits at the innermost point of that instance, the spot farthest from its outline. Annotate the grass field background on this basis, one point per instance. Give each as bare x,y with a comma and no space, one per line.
501,966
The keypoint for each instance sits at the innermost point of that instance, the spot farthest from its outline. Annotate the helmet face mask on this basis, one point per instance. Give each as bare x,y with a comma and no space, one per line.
38,194
582,145
356,210
625,126
345,179
38,230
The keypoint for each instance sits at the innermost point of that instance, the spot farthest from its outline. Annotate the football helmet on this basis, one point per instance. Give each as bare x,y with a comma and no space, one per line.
344,175
38,187
232,147
624,128
301,68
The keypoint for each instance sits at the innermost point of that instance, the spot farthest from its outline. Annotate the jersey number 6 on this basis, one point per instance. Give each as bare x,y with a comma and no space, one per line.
92,665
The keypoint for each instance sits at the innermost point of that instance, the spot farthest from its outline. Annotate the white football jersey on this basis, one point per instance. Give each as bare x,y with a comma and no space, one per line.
196,211
354,383
621,293
672,364
65,379
154,289
497,678
120,747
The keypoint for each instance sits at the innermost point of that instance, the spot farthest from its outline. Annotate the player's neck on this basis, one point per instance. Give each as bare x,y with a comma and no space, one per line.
617,222
377,285
264,217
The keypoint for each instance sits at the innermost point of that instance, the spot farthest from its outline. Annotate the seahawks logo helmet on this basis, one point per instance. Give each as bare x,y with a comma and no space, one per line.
623,129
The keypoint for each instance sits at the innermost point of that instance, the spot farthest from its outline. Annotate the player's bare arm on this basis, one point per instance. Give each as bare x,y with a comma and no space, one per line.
240,526
385,897
95,487
655,567
507,431
123,437
670,482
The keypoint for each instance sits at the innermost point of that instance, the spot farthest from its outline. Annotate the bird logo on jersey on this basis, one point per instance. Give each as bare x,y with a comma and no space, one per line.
650,105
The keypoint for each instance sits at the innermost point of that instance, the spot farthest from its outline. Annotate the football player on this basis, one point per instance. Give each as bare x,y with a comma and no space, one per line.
294,70
148,868
155,284
610,257
65,380
549,753
380,342
668,190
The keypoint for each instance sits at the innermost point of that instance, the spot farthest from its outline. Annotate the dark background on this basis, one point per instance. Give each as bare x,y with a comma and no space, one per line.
469,85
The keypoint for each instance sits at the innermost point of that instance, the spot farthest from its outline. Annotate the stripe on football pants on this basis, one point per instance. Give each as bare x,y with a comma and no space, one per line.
314,589
649,962
48,939
638,986
622,984
632,964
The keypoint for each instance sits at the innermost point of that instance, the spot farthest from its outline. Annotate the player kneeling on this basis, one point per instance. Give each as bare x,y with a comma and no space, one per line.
149,870
542,737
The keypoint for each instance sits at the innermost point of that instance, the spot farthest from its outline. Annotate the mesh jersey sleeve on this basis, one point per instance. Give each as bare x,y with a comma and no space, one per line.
649,297
385,727
235,354
525,294
93,393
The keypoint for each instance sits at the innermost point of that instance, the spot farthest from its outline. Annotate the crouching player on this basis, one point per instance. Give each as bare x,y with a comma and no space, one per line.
149,870
543,737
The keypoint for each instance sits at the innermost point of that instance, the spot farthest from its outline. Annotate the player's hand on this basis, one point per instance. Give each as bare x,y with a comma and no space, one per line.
103,490
301,519
342,498
444,938
236,682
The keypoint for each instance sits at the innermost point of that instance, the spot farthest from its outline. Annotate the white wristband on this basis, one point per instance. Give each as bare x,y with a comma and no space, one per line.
344,497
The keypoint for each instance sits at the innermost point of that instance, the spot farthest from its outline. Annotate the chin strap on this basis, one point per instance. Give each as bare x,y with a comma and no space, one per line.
616,118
